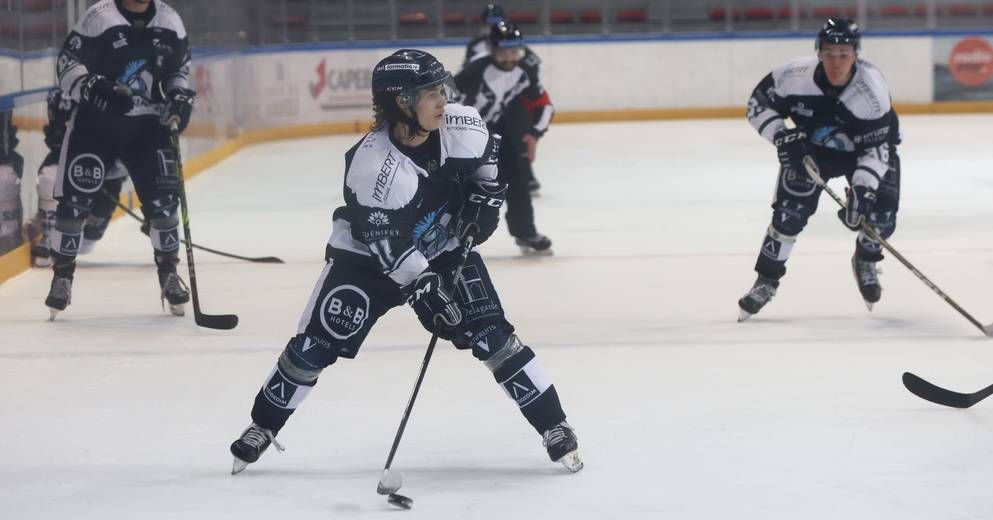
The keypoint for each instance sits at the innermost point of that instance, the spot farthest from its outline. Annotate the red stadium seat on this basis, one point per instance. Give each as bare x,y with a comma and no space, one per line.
920,10
894,11
759,13
632,15
562,16
718,14
523,17
590,16
962,10
453,18
826,11
988,9
415,18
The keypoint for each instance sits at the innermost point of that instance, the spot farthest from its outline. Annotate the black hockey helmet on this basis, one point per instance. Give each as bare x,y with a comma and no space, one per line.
840,30
493,14
506,36
405,73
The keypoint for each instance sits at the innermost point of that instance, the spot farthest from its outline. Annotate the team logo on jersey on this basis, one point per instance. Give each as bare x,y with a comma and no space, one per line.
802,109
86,173
344,311
75,43
121,41
136,76
378,218
833,138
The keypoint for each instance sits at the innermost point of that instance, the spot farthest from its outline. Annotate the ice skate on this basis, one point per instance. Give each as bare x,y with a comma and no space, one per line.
250,446
59,295
41,256
756,298
560,441
174,292
537,245
866,277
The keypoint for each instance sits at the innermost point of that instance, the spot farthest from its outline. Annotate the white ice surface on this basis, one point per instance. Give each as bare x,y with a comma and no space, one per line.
120,411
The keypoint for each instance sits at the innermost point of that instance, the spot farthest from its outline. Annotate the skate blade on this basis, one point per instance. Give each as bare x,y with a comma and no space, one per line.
52,313
177,310
868,305
571,461
530,251
743,315
238,466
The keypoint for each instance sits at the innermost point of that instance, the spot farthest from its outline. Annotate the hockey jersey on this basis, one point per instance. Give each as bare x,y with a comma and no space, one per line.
490,90
401,215
853,125
151,59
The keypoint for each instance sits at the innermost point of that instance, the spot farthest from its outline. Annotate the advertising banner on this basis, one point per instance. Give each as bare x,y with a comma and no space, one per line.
963,68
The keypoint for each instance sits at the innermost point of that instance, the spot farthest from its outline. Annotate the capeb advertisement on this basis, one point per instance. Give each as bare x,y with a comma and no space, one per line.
963,68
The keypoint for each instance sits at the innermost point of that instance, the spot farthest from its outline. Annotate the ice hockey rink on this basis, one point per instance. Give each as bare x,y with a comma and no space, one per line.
119,411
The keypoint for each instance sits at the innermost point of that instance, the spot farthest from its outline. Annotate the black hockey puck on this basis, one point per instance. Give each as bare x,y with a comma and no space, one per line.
400,501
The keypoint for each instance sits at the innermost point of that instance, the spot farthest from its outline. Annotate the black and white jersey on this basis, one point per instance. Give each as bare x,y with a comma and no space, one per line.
400,213
151,58
855,123
490,89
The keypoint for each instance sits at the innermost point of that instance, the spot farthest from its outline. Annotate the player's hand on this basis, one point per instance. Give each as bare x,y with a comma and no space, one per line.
532,143
791,146
861,199
105,95
481,213
178,108
435,308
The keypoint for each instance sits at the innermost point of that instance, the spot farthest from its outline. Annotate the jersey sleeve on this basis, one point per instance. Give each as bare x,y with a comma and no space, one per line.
535,97
764,112
873,127
176,58
79,51
380,197
469,79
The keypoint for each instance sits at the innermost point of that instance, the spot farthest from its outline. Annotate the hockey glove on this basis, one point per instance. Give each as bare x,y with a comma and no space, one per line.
481,213
179,108
105,95
861,199
791,146
435,308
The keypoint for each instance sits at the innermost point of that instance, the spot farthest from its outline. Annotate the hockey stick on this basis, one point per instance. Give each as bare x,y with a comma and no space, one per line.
390,483
815,173
210,321
260,259
942,396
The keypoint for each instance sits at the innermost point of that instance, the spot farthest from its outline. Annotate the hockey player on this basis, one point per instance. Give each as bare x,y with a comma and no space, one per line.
479,47
416,186
59,111
11,171
126,64
840,105
494,85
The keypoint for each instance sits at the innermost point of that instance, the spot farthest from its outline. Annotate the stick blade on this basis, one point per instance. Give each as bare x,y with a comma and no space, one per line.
936,394
389,483
217,321
988,330
268,260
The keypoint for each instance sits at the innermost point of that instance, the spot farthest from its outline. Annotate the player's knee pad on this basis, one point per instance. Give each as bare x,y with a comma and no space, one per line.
789,217
73,207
